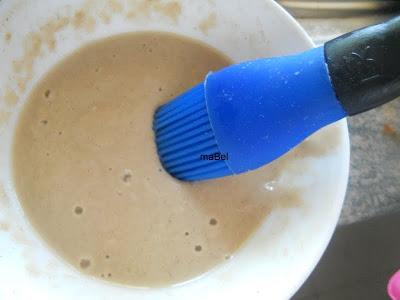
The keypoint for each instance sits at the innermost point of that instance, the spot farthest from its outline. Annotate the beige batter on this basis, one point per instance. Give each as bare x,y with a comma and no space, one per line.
89,179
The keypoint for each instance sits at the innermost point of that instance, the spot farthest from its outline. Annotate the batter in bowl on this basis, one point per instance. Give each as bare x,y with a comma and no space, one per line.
87,173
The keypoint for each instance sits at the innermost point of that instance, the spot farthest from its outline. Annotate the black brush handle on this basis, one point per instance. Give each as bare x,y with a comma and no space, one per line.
364,66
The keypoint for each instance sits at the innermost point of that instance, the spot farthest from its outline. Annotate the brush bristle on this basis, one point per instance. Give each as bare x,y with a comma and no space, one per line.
183,134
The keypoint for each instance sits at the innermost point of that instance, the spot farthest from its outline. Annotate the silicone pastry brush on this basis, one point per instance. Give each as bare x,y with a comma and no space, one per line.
247,115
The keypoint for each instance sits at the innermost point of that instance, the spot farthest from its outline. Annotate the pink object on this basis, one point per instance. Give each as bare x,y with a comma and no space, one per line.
394,286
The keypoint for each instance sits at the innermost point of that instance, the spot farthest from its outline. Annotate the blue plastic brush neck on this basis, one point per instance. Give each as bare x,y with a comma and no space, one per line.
261,109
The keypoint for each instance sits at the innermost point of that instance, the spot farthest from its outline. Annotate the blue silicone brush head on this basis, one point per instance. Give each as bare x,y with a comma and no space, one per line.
184,135
245,116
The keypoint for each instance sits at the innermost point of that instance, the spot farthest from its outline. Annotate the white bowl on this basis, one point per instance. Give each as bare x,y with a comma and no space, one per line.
278,257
